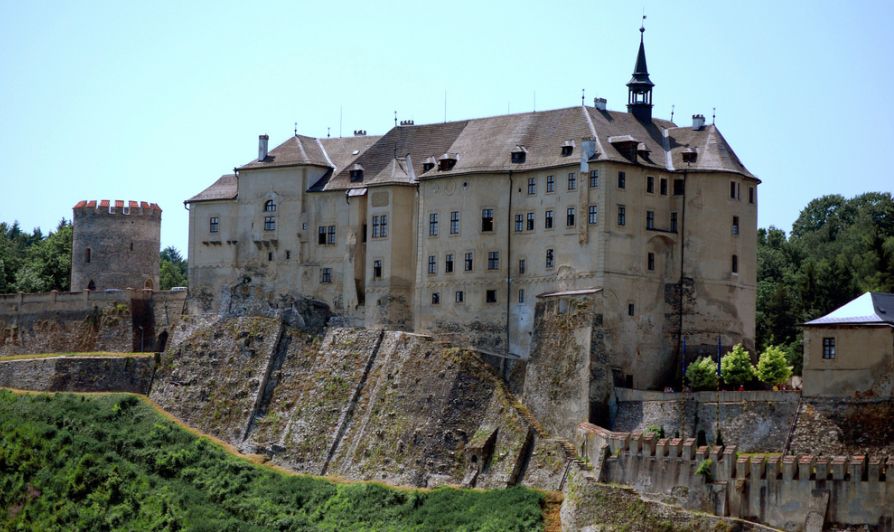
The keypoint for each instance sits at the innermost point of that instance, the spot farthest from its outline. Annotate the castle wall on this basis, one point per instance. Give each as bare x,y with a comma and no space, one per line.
115,245
80,374
782,492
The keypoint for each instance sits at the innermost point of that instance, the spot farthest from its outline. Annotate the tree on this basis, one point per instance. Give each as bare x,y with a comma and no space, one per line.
735,366
172,269
702,374
773,368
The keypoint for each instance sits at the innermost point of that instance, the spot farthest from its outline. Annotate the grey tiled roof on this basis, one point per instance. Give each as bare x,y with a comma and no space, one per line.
222,189
297,150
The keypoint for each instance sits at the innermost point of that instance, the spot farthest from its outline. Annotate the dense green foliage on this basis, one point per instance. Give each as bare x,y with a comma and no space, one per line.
735,366
773,367
173,269
37,263
838,249
111,462
702,374
34,262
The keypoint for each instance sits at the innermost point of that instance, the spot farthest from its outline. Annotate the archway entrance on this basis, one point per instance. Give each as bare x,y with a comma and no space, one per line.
148,284
91,285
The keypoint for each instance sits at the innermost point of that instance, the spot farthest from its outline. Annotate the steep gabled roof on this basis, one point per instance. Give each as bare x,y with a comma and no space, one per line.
714,152
222,189
872,308
296,150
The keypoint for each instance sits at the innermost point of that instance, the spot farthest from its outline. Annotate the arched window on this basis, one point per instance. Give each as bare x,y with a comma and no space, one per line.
88,255
270,206
148,284
91,285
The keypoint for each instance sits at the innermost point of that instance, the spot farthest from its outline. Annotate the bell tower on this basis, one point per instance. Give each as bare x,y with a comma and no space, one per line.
639,88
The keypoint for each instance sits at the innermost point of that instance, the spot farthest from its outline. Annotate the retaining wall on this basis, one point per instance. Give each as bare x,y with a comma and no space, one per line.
79,374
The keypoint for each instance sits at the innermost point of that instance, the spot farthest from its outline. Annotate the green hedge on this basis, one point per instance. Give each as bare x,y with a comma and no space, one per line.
110,462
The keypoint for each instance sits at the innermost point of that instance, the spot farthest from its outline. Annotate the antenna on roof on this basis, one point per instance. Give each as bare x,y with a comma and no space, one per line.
713,115
672,112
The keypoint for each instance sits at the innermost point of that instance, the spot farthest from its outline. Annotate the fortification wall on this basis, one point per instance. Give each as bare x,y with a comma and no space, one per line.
384,405
80,374
780,491
755,420
63,322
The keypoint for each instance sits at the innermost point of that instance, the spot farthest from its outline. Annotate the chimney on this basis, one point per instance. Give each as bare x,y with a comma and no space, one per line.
262,146
599,104
698,122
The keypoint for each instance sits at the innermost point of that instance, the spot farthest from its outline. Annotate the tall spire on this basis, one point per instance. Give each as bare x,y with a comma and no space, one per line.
639,88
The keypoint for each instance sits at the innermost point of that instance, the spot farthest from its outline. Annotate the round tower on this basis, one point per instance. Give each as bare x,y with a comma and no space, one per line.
115,244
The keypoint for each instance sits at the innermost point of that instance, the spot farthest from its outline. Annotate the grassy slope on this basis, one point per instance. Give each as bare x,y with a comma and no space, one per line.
109,461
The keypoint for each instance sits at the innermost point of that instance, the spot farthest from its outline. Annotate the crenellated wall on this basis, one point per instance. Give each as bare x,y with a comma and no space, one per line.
781,491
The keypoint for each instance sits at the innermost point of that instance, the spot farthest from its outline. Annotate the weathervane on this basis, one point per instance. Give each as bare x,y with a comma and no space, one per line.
296,129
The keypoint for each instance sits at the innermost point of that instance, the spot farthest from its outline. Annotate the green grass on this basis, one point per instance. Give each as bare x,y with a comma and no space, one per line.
97,462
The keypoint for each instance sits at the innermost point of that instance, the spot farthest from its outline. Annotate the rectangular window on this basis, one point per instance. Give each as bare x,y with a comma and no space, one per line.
550,184
493,260
750,194
678,187
454,222
550,258
662,186
548,220
321,235
650,184
530,221
433,224
365,232
650,261
673,222
521,295
325,275
458,296
490,296
828,348
269,223
735,264
572,181
270,256
214,224
650,219
622,180
448,263
487,220
592,215
569,217
468,261
380,226
532,185
735,228
288,254
519,223
432,265
622,215
734,190
594,178
521,266
330,235
435,298
630,309
377,269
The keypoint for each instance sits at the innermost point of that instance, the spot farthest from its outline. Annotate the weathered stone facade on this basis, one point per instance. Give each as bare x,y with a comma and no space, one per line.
115,245
79,374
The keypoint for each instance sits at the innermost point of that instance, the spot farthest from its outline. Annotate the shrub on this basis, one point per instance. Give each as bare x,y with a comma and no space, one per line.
773,368
702,374
655,430
735,366
704,469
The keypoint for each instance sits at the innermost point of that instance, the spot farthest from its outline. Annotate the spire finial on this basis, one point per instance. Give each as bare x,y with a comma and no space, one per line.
582,97
395,118
296,129
642,25
713,115
672,112
327,132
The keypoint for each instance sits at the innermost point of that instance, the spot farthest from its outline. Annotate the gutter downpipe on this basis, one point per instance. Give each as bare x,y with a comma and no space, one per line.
508,277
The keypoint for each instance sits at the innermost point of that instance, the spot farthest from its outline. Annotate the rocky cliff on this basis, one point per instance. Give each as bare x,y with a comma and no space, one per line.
362,404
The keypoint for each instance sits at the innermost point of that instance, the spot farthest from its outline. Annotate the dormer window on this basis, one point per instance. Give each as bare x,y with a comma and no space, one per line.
626,145
356,173
446,162
519,154
567,148
270,206
690,155
428,164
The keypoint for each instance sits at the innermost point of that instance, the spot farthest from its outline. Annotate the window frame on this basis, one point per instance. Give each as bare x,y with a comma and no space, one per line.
622,180
270,223
326,275
214,224
488,222
830,351
572,180
548,219
493,260
570,217
432,264
594,178
454,222
532,186
550,184
433,224
622,215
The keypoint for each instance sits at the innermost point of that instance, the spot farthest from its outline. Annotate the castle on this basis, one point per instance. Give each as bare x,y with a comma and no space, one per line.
455,229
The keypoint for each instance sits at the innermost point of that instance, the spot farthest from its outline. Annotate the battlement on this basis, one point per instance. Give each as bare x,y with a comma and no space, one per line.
775,489
126,208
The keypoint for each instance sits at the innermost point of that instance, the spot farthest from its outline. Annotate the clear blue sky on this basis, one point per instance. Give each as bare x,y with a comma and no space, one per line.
154,100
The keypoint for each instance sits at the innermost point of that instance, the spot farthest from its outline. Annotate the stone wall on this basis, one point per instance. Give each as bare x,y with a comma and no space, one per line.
361,404
754,420
79,374
783,492
62,322
844,426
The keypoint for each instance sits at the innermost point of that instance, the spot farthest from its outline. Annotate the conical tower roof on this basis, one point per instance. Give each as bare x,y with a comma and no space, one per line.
640,70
